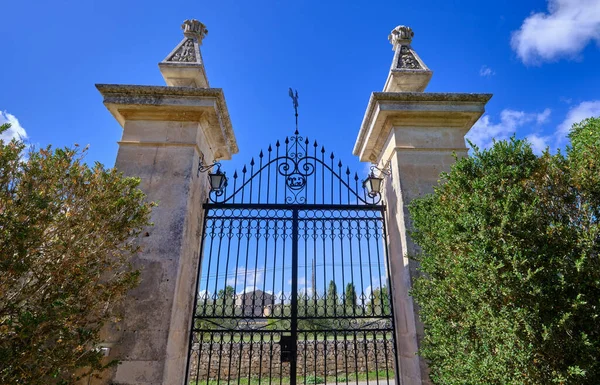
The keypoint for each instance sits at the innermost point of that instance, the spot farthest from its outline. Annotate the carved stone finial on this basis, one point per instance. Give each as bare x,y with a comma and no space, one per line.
408,72
194,28
184,67
401,35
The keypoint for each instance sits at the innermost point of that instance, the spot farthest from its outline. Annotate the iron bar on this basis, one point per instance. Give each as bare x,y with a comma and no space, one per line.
393,313
362,284
245,267
260,166
210,255
252,178
210,349
299,207
294,304
220,235
258,222
375,343
229,237
200,345
368,235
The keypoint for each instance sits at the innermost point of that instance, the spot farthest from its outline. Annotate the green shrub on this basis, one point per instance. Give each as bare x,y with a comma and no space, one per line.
510,286
67,232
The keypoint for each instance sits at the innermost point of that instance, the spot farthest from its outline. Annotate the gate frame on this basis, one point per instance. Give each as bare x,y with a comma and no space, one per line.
298,156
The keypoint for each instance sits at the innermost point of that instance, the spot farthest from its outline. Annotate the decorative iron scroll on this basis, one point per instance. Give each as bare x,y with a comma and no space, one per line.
295,173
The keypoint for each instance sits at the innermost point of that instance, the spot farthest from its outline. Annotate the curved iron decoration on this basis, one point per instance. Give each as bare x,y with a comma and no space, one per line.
296,166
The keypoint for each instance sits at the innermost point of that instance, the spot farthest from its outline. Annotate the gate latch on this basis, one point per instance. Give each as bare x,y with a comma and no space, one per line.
288,348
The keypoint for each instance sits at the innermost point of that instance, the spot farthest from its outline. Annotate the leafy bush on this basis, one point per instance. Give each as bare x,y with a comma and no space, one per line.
510,292
67,232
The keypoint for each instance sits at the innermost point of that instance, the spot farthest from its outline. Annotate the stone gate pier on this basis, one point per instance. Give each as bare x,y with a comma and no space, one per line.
414,134
167,132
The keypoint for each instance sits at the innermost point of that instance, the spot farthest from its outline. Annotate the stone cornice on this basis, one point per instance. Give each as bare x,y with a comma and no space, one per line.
414,109
135,90
160,103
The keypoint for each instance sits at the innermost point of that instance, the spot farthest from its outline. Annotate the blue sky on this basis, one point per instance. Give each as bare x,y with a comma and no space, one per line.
539,59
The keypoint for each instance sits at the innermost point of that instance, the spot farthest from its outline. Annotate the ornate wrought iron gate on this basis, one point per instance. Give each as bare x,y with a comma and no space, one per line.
293,285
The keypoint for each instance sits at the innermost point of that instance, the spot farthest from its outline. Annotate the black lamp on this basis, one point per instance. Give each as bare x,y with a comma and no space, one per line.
374,183
218,180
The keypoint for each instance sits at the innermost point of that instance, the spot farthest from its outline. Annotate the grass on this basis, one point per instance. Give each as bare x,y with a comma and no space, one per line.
382,375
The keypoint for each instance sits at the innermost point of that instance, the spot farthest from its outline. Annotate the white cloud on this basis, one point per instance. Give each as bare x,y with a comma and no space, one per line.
543,117
301,281
15,131
559,136
575,115
564,31
485,131
486,71
539,143
251,277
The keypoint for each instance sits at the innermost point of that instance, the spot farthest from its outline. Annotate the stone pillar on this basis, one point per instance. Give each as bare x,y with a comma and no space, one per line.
167,131
415,135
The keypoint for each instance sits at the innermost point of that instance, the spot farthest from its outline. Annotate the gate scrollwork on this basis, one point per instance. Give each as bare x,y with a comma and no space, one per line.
284,177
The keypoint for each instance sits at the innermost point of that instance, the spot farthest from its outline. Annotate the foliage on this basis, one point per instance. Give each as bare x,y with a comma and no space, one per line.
222,306
332,294
510,292
66,234
380,303
317,313
309,306
225,302
314,380
350,299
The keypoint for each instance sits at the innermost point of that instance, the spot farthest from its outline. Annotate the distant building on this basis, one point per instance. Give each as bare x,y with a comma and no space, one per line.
255,303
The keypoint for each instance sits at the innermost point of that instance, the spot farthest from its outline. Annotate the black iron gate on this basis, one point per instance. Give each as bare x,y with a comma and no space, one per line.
293,284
